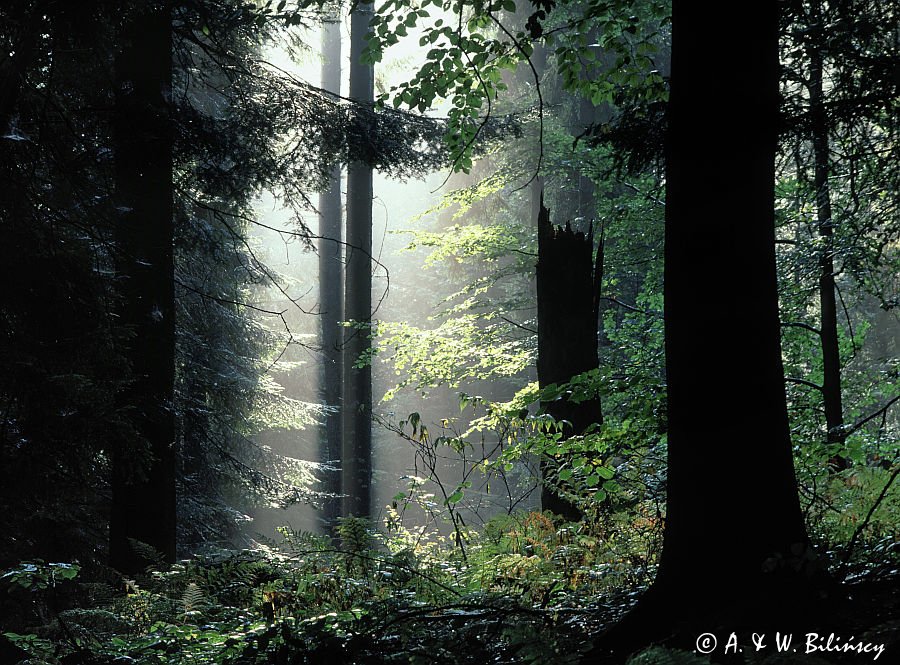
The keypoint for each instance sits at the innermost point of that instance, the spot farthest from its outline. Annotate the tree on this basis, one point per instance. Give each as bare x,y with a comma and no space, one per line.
568,284
143,504
828,332
331,271
357,398
81,384
60,360
24,16
837,211
734,532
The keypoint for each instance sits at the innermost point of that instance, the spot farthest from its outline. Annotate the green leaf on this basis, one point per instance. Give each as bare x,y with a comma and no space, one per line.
454,498
605,472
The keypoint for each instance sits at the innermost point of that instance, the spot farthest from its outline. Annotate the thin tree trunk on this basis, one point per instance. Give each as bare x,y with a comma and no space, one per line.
143,483
587,205
831,357
536,188
331,285
356,458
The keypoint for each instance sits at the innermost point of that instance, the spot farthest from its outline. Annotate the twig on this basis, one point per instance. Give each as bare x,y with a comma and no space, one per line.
862,421
800,324
804,382
849,551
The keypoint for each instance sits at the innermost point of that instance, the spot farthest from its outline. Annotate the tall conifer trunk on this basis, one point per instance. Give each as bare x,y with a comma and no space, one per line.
331,284
357,402
828,331
143,483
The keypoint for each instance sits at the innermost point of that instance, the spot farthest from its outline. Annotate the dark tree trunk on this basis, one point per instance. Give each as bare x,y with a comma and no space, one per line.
143,483
567,286
331,286
356,458
734,531
828,331
732,495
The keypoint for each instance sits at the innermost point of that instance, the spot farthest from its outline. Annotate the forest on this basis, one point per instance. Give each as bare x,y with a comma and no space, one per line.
449,332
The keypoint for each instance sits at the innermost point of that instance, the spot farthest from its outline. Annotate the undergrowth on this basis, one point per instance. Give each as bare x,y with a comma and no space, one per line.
526,588
521,595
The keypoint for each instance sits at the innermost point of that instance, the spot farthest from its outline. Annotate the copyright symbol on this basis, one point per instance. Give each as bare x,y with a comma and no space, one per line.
706,643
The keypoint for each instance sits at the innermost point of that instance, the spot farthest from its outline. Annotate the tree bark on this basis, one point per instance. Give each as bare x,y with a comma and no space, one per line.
356,457
331,286
828,331
143,483
732,496
567,284
735,540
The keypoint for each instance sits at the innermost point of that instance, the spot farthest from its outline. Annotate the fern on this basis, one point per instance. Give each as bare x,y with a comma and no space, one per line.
356,540
193,600
354,534
151,556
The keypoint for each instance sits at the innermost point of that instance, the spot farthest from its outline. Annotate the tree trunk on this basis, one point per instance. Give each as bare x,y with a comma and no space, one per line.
143,483
356,457
331,286
567,284
828,331
734,532
732,494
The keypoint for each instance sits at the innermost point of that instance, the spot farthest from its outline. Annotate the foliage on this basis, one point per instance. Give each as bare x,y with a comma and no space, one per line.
518,587
37,575
472,45
432,357
303,599
856,513
370,598
841,45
